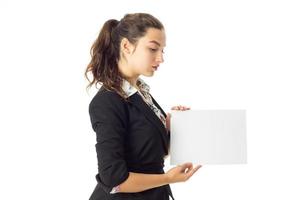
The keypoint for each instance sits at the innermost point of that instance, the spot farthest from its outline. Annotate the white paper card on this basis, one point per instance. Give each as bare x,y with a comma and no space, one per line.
208,137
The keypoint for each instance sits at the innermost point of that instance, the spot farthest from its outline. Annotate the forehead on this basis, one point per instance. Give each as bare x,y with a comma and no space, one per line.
155,37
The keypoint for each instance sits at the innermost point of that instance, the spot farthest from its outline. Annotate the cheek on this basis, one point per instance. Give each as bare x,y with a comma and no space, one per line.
144,59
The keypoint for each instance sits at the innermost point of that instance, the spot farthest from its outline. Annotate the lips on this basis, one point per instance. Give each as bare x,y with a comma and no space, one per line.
155,67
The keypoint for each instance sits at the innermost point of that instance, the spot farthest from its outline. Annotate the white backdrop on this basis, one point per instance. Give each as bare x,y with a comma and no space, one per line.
219,55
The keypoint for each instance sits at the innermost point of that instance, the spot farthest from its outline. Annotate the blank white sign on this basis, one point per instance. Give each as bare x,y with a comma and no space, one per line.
208,137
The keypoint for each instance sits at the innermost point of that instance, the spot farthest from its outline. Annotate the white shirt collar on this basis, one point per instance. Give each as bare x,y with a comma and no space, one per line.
130,90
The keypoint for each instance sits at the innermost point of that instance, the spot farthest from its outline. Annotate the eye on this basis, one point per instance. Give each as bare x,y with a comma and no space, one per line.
153,50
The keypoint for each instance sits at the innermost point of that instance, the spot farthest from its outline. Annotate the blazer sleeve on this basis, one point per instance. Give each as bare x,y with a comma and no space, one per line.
109,121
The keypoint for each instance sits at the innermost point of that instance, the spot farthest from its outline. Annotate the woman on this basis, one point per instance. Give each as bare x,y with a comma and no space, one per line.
133,131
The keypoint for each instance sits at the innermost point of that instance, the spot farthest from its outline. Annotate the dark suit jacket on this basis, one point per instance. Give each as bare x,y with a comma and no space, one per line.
130,138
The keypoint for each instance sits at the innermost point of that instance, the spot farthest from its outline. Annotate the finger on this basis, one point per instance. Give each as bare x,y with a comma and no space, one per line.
186,108
193,171
180,107
197,167
175,108
188,169
185,166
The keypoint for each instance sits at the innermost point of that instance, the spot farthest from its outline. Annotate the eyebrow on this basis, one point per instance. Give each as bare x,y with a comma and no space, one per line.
153,41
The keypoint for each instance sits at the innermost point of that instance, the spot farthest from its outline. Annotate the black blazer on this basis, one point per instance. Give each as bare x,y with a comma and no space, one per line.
130,138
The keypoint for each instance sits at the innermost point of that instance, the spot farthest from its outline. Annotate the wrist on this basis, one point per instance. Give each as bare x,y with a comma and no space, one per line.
166,179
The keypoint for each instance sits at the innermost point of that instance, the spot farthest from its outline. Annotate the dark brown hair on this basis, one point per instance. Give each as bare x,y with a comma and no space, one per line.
105,51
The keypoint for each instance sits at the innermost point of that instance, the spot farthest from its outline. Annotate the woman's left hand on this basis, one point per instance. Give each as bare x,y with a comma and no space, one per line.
180,108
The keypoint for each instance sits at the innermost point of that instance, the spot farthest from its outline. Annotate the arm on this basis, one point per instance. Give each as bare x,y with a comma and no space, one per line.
108,119
137,182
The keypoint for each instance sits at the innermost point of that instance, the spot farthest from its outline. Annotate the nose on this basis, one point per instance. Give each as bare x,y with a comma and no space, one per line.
160,58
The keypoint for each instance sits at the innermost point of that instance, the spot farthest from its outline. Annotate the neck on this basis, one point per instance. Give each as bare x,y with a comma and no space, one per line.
128,74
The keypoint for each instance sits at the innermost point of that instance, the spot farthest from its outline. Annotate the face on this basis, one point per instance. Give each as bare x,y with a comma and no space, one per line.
148,55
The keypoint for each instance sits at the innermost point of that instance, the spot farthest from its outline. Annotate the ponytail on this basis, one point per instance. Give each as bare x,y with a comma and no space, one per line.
105,55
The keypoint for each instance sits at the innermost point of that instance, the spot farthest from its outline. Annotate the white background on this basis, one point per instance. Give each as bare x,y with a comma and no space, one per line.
219,55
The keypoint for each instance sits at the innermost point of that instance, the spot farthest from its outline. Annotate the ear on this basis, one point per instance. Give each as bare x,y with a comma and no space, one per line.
126,47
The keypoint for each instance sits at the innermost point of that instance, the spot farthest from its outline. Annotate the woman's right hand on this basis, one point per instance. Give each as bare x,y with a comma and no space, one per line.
181,173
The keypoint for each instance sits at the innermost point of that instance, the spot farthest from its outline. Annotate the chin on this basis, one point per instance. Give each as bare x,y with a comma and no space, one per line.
149,74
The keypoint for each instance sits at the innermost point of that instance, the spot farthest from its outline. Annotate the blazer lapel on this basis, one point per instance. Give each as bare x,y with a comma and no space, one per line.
138,102
157,105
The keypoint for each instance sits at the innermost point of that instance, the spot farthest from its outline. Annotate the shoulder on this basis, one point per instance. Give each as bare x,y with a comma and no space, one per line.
107,107
107,103
106,97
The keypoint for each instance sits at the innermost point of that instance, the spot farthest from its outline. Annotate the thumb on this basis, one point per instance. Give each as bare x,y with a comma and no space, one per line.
188,165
